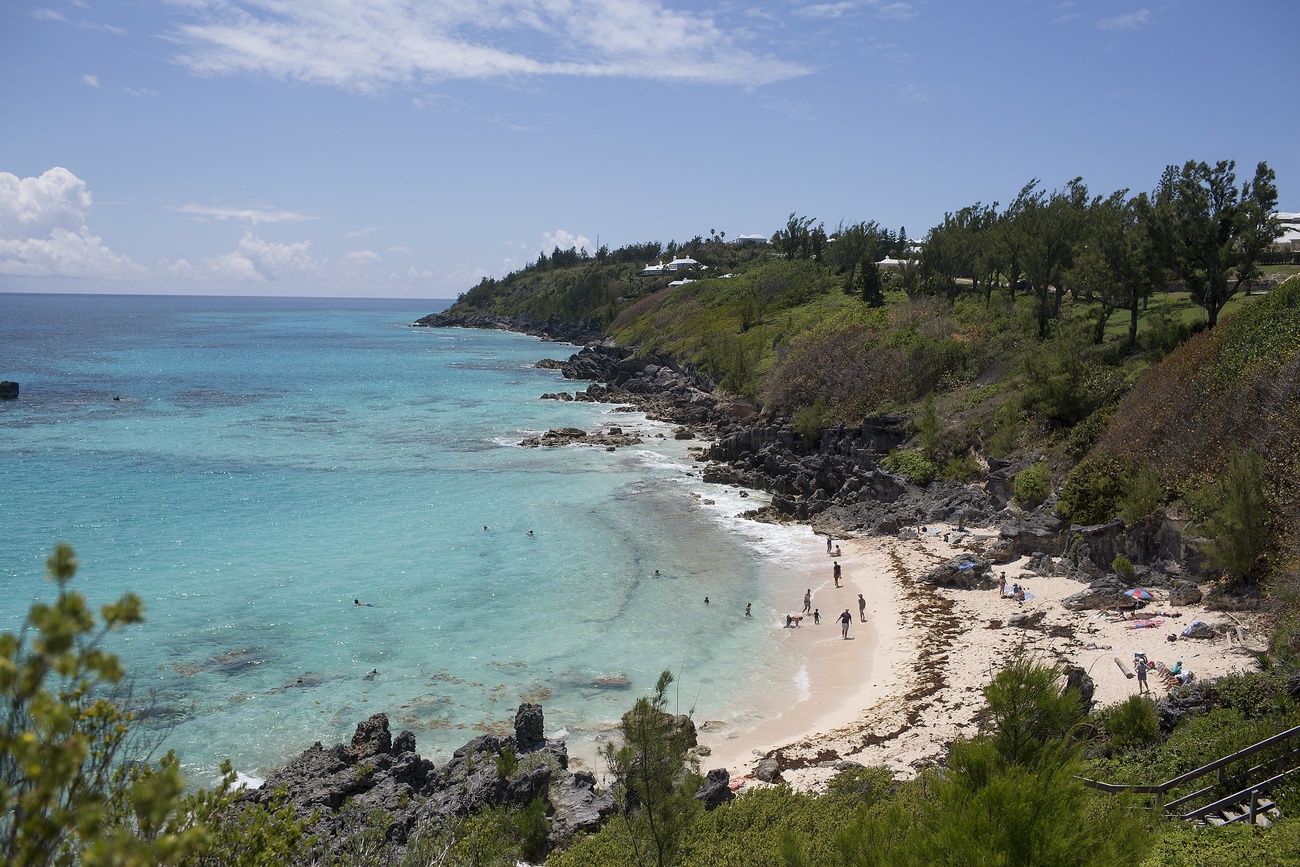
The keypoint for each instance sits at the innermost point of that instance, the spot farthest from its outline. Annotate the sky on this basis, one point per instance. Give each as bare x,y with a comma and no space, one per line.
409,148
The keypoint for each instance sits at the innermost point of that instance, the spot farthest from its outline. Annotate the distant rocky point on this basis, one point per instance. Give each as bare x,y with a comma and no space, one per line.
8,390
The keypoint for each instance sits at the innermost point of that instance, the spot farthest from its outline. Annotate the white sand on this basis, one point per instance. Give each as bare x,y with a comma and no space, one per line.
909,682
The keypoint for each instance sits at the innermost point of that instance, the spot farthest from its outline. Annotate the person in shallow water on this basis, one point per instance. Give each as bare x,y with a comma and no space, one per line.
747,605
817,617
807,600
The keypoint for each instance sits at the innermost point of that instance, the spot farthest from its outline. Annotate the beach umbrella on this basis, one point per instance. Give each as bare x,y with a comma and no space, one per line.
1138,593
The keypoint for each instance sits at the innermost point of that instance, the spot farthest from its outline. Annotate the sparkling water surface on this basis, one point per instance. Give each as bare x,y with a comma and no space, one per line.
251,466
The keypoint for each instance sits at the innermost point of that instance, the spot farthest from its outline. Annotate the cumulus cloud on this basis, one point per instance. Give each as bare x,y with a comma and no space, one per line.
1130,21
252,216
43,230
374,44
253,261
566,240
92,80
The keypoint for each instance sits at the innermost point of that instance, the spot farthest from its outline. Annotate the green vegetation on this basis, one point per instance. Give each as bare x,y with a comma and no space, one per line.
913,465
76,783
1033,484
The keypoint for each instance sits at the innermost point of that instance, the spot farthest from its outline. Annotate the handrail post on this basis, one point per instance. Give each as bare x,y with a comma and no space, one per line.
1160,802
1254,804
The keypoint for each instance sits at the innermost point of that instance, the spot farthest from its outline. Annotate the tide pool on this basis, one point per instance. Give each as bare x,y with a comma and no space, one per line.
254,467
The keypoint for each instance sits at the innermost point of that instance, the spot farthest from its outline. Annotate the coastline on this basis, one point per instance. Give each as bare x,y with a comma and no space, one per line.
912,681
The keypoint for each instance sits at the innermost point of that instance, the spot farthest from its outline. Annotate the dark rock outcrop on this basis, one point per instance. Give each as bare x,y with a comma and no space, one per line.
382,776
967,572
8,390
716,789
558,330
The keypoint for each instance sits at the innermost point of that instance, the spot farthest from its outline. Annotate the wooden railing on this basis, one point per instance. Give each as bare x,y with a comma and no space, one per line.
1279,767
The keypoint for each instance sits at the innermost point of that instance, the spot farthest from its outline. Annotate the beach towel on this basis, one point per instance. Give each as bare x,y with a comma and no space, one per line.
962,567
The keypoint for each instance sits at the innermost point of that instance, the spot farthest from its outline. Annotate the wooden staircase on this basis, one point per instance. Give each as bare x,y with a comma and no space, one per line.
1247,788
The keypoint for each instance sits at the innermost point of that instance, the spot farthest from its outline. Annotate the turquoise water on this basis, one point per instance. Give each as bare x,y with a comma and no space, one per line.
270,461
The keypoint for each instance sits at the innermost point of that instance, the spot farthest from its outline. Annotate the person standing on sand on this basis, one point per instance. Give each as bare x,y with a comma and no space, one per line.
747,614
1140,665
862,608
837,573
828,543
807,600
845,619
1002,584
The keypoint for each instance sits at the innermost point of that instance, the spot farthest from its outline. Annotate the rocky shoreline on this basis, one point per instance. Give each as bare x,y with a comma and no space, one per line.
836,484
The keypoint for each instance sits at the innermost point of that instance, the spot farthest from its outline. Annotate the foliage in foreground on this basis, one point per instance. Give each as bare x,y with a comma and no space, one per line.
74,788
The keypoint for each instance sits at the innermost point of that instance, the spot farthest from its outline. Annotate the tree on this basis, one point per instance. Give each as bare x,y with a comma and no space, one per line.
1009,797
72,788
1048,228
1117,267
62,780
1238,525
853,245
653,784
1209,233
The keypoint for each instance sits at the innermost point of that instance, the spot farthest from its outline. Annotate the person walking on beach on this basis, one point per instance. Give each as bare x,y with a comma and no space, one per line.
845,619
807,600
1140,665
747,614
862,608
817,617
837,573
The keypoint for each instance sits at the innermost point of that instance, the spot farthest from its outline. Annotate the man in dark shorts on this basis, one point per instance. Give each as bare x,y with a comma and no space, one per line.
845,619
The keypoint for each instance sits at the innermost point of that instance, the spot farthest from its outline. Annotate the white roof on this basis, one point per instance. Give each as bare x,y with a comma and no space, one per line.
1287,217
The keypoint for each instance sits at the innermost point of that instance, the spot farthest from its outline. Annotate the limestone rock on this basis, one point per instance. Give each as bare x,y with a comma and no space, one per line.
8,390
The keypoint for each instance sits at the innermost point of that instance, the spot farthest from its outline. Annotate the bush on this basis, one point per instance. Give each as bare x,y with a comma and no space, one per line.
1238,527
961,469
916,467
1132,723
1090,492
1143,495
1122,565
1033,484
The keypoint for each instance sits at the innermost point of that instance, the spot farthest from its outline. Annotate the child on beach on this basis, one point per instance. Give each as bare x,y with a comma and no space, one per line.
817,617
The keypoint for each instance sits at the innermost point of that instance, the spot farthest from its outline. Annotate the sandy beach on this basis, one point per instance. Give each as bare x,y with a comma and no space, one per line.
909,681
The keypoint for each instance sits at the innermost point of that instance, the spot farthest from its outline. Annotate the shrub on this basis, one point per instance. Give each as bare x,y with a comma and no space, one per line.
810,420
1143,494
1006,431
915,466
1122,565
1033,484
1132,723
1238,527
1090,492
961,469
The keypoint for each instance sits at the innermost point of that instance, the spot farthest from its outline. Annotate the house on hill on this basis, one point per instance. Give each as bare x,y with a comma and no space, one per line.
676,265
1289,240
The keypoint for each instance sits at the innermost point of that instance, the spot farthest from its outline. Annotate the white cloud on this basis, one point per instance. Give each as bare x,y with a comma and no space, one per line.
1131,21
253,261
43,230
252,216
374,44
361,233
565,240
92,80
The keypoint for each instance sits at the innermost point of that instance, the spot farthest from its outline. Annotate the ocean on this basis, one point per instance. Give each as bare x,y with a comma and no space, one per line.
254,468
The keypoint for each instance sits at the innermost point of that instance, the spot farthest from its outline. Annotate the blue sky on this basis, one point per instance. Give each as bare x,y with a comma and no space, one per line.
407,148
